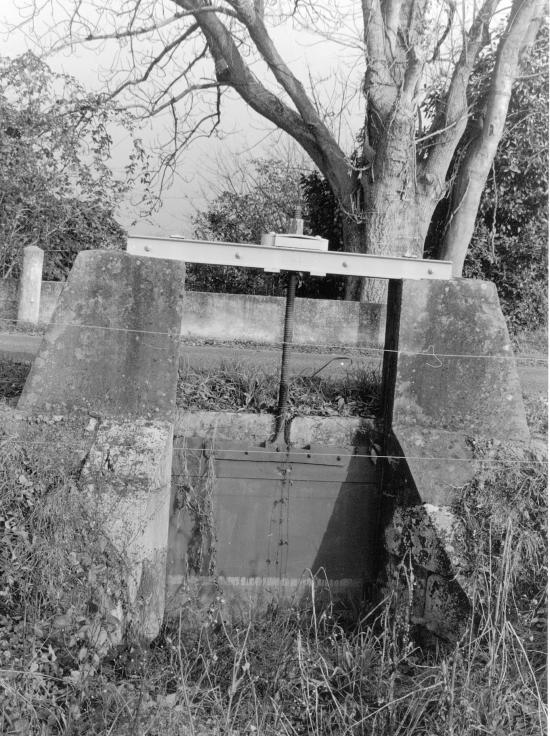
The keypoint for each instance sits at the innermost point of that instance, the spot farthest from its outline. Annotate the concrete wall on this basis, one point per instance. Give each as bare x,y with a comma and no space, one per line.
246,317
260,319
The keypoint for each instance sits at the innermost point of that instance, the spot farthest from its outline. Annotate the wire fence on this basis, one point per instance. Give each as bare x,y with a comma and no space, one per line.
430,351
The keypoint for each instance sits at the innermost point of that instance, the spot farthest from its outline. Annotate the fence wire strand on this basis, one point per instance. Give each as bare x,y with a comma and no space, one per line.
429,352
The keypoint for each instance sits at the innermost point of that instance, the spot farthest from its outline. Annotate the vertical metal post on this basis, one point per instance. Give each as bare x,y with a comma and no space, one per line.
296,227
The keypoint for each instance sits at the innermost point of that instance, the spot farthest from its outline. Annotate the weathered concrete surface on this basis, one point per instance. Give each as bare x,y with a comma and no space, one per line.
124,472
260,319
440,462
127,478
112,346
255,428
456,369
330,430
450,377
30,284
110,360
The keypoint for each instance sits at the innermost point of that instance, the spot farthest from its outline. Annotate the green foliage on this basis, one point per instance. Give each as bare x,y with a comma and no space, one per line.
57,190
518,265
510,243
324,219
264,202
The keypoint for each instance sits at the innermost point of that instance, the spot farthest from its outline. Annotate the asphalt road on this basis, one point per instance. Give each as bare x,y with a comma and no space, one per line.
21,347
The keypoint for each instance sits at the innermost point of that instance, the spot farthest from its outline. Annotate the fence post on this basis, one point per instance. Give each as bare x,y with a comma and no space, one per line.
30,284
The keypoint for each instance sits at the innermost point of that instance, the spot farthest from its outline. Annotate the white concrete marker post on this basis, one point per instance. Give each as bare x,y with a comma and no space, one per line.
30,285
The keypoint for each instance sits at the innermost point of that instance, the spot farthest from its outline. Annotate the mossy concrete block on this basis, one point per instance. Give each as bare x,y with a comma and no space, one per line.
126,477
455,366
112,347
434,540
432,535
109,360
446,608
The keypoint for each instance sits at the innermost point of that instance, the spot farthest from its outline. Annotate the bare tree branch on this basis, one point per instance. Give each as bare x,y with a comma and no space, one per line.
378,80
154,63
234,71
476,164
454,119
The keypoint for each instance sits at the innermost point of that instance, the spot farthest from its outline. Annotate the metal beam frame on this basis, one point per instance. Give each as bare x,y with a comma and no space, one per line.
275,259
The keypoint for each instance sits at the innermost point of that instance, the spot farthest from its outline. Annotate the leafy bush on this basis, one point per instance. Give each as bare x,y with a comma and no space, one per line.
57,189
518,266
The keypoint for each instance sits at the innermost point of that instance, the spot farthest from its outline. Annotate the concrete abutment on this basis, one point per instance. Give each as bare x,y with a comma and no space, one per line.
110,356
450,378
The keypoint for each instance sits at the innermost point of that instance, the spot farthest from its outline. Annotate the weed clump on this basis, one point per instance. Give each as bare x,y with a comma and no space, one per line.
58,574
237,387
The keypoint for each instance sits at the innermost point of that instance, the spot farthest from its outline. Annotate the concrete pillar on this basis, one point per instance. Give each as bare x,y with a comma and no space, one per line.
30,284
111,352
449,378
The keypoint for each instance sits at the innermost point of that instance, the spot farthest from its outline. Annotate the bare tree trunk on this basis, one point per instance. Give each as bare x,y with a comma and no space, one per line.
354,242
389,186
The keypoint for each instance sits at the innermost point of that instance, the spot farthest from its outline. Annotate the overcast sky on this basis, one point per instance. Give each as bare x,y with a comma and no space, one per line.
245,133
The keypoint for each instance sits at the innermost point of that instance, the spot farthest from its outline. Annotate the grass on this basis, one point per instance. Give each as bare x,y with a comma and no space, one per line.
313,668
237,387
288,671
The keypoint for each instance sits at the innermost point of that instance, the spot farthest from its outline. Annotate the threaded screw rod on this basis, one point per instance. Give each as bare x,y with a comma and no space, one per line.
285,360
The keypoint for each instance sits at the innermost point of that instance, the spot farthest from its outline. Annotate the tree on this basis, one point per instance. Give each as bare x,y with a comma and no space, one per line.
388,190
510,241
56,187
260,196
